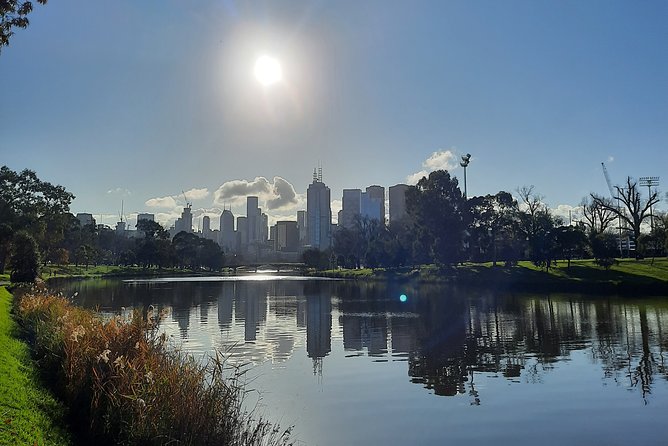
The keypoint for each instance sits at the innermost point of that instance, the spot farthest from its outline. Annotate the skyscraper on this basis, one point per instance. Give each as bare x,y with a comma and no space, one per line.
397,202
302,225
227,235
254,220
319,212
376,198
351,207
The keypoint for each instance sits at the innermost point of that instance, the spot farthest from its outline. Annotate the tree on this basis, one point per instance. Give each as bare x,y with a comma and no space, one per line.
24,262
492,220
571,242
438,209
538,224
633,210
314,258
6,233
597,217
14,14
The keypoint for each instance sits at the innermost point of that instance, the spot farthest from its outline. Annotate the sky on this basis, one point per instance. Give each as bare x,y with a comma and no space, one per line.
136,102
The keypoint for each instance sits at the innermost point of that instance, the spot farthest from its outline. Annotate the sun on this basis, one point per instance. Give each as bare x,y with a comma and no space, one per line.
268,70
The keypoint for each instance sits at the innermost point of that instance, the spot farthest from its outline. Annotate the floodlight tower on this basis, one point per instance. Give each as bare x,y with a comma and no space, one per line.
465,162
649,182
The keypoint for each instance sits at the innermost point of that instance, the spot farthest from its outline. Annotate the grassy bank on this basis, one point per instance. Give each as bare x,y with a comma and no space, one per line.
54,271
29,415
125,385
627,276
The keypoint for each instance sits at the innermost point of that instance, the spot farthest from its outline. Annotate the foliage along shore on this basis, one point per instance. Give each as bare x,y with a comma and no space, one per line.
123,383
29,414
626,277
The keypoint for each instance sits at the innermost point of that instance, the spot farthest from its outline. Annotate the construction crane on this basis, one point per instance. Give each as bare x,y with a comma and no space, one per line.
607,180
188,204
619,214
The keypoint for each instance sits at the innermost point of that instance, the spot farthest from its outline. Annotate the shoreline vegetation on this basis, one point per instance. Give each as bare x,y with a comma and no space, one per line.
123,383
29,414
624,277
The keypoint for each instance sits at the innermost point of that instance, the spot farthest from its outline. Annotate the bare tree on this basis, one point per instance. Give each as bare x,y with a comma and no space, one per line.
633,209
597,218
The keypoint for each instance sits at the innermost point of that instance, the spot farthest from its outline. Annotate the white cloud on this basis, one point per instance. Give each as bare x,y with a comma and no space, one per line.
161,202
276,195
197,194
337,205
119,191
611,159
441,160
568,212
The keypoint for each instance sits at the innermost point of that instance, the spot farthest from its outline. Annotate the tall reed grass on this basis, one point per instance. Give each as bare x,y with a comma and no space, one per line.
125,385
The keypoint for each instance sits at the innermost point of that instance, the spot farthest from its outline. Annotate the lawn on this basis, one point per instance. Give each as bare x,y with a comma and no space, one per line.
29,415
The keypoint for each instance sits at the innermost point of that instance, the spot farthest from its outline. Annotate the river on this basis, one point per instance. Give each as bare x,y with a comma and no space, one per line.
351,363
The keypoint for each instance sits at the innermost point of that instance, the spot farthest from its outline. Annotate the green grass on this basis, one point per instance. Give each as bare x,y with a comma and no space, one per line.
627,276
29,415
52,271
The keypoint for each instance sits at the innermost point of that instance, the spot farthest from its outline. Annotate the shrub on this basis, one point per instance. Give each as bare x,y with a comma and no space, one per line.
24,262
123,381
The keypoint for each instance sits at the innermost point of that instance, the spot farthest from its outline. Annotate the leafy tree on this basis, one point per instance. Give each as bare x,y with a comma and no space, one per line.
24,262
604,248
14,14
314,258
493,218
538,224
439,211
6,233
633,209
571,242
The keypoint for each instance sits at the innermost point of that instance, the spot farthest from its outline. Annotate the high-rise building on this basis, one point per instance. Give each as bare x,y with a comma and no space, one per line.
287,236
375,198
242,231
185,222
264,228
206,227
397,202
227,237
351,207
301,224
145,216
319,211
85,219
253,214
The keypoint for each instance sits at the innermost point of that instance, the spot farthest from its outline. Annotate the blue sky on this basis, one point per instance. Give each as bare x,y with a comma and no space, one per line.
141,100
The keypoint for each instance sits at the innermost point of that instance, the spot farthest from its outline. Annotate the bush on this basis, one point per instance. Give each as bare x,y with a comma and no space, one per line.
24,262
127,386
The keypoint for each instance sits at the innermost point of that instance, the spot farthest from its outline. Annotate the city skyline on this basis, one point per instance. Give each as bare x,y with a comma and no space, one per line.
118,107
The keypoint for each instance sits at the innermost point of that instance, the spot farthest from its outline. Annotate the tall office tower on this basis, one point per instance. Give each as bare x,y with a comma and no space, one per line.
145,216
377,193
85,219
264,228
185,222
206,226
301,225
242,230
351,207
319,211
397,202
228,238
286,236
253,214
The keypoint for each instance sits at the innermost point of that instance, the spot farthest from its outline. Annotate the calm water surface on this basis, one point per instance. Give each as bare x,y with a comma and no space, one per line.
350,363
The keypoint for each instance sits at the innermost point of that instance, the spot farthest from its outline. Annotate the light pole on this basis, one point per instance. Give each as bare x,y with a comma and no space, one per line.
649,182
465,162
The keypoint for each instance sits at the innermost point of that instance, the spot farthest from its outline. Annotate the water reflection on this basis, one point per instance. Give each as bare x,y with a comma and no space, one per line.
447,337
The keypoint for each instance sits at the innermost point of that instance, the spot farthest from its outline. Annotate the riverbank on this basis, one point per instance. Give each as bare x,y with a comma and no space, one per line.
80,271
29,414
123,383
626,277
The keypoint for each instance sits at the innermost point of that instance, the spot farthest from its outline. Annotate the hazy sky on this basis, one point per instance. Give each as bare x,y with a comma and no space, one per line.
137,101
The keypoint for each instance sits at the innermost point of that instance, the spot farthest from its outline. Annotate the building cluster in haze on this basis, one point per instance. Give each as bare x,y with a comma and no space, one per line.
251,237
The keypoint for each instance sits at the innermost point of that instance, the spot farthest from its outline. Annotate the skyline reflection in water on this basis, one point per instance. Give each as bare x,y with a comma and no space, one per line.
445,341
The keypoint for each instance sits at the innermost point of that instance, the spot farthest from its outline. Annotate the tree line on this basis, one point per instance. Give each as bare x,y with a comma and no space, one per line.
37,228
445,228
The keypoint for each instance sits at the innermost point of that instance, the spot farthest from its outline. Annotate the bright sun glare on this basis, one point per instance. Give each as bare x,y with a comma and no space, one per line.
268,70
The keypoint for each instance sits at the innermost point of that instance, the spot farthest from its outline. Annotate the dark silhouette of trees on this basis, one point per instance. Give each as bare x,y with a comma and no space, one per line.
438,208
597,214
633,209
492,222
14,14
537,224
24,263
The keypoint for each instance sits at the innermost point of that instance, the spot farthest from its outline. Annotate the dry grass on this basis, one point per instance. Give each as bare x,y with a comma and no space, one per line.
126,386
